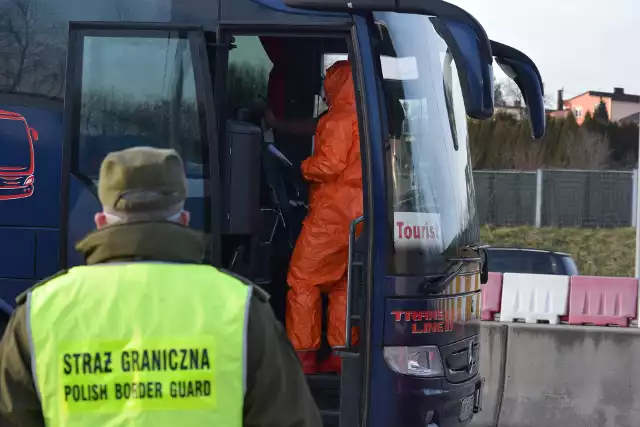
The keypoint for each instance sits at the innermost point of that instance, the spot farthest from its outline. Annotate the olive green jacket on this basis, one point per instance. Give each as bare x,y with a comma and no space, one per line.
277,392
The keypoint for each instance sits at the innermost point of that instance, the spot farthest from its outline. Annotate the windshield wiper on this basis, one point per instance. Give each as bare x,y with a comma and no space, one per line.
457,263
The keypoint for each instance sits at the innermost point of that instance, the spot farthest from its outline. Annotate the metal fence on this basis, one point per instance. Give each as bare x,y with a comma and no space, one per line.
551,197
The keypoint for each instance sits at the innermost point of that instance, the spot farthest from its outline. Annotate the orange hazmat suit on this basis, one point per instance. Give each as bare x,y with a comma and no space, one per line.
319,260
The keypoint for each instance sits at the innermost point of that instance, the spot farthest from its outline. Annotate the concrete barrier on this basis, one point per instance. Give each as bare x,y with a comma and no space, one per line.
493,352
559,376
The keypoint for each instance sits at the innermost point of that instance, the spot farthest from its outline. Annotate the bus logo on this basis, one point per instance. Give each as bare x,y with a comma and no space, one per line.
16,156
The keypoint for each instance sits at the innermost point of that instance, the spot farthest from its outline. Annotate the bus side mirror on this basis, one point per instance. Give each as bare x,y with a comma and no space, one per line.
33,133
474,64
523,71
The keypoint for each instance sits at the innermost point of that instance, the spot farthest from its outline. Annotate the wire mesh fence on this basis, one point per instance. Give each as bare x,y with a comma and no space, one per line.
562,198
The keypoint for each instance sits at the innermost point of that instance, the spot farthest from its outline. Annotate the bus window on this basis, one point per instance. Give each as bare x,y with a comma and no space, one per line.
248,73
139,89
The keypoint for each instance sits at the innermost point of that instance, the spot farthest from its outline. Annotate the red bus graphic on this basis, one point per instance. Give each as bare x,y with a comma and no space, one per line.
16,156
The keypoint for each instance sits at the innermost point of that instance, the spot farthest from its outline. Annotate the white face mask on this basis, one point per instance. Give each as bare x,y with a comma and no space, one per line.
114,219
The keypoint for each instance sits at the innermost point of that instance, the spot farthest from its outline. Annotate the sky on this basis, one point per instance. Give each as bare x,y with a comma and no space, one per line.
578,45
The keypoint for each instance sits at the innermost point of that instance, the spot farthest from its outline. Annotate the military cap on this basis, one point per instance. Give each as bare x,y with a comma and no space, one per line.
142,179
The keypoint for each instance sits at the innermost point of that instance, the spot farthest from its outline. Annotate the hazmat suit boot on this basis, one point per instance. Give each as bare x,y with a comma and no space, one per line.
308,360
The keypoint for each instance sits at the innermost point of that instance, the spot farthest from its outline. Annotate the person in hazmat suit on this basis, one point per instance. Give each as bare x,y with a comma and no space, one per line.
319,260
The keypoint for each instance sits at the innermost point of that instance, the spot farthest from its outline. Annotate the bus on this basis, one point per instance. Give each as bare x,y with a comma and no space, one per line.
193,75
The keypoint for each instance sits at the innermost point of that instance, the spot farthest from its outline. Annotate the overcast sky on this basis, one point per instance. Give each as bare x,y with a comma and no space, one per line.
577,44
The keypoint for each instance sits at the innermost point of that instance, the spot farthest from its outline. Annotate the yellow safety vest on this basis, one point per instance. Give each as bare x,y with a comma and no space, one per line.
140,344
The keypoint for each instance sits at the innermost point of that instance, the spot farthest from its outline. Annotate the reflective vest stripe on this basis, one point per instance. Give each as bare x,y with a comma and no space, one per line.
244,338
145,344
31,346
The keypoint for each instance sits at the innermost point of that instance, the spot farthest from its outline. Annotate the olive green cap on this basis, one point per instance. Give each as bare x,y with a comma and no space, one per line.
142,179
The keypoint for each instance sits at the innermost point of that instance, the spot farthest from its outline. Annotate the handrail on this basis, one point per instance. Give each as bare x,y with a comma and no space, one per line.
352,239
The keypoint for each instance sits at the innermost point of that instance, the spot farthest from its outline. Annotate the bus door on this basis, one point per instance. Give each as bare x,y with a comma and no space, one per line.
251,68
133,85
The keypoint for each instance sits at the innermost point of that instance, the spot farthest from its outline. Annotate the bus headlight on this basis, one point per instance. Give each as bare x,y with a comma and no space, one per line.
29,180
423,361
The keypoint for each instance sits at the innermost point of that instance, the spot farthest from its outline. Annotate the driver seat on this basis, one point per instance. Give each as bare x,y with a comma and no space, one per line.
285,195
275,166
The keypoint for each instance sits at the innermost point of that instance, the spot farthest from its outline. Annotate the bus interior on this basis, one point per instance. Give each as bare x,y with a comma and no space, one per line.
285,73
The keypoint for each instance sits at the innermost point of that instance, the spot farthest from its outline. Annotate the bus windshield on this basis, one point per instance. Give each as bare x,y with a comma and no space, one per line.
15,147
431,200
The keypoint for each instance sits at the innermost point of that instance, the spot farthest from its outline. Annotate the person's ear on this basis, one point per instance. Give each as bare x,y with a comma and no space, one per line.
101,220
185,217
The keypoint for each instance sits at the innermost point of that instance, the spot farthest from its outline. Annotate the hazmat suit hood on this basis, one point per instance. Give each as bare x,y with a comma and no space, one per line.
338,85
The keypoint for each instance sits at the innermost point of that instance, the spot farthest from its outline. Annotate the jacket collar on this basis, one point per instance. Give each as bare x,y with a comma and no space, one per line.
150,241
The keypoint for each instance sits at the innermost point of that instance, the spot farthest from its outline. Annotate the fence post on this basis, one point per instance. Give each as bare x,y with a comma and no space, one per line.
634,198
538,198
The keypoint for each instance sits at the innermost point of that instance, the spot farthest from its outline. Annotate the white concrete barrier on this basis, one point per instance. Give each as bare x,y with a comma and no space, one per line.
534,297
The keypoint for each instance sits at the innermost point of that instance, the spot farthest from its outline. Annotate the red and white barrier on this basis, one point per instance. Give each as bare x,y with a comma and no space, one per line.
491,295
603,300
578,300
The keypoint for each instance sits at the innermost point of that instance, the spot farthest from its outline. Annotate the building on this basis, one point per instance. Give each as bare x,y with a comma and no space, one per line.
620,105
632,119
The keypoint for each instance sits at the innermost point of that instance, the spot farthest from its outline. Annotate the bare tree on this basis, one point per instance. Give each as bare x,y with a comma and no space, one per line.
587,150
512,92
32,48
514,98
512,95
498,93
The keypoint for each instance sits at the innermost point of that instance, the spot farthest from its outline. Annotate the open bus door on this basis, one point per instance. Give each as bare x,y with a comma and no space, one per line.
106,109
